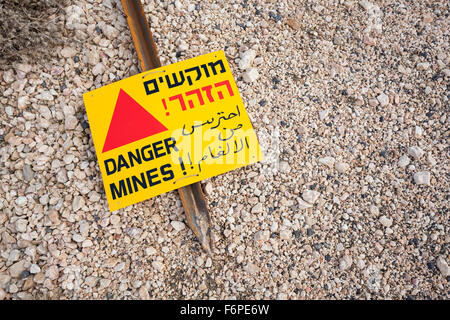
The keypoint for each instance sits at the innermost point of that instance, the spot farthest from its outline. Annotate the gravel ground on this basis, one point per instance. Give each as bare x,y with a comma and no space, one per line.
349,100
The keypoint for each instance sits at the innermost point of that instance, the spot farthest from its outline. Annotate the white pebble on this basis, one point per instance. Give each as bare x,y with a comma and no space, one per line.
328,161
383,99
251,75
415,152
34,268
403,161
247,59
342,167
21,201
178,225
310,196
385,221
422,177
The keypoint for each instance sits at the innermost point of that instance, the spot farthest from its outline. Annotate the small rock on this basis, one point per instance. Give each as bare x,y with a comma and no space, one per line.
385,221
258,208
374,210
418,132
178,225
342,167
21,201
4,280
373,102
93,57
17,268
143,293
345,263
119,267
251,268
68,52
366,5
262,236
87,243
91,281
21,225
159,266
284,167
110,32
115,219
443,266
22,102
431,159
199,261
71,122
251,75
78,203
191,7
34,268
247,59
422,66
403,161
99,68
415,152
78,238
378,247
328,161
104,283
150,251
285,234
383,99
302,204
323,114
294,22
8,76
183,47
422,177
310,196
209,188
45,95
27,172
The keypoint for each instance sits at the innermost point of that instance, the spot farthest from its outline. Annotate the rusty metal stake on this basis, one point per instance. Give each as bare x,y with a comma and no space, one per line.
194,202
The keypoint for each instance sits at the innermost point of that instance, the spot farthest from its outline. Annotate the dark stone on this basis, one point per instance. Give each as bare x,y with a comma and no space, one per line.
24,274
297,234
274,16
262,103
309,232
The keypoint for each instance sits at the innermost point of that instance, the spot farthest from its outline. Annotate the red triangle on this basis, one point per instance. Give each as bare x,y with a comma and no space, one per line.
130,122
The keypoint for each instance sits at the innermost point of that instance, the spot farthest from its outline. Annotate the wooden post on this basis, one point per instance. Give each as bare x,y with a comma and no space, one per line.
192,197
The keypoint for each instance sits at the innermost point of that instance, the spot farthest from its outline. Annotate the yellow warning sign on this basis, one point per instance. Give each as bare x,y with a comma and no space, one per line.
169,127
